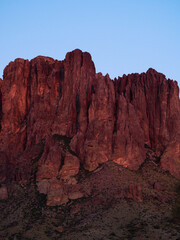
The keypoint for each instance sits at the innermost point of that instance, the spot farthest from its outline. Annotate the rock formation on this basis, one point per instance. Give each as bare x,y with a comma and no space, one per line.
58,116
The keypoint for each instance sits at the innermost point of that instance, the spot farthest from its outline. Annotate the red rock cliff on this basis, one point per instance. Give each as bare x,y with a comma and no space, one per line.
58,115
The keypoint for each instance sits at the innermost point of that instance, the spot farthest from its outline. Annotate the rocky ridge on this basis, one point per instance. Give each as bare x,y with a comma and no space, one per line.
59,116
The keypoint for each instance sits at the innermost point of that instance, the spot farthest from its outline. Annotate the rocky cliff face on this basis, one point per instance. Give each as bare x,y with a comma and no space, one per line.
58,116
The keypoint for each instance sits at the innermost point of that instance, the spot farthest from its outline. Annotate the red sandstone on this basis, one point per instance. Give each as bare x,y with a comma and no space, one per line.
58,115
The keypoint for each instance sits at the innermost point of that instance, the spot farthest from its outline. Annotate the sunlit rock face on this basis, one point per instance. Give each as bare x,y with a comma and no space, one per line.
56,116
154,105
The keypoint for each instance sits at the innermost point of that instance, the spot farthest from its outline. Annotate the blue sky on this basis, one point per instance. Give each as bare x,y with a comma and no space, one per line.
123,36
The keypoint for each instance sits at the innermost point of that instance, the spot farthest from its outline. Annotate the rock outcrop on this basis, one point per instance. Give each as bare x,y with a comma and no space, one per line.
58,116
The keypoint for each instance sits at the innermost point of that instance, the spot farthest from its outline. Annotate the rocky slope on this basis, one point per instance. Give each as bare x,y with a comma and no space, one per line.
114,208
57,117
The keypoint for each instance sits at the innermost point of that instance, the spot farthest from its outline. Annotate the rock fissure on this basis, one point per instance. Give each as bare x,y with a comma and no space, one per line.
77,112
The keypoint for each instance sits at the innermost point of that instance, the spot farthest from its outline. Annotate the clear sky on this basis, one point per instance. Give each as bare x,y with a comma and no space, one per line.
123,36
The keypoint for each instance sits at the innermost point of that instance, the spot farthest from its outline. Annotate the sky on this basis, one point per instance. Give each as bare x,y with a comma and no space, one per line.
122,36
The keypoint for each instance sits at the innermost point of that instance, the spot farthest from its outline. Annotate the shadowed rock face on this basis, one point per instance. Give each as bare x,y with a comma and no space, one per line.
58,115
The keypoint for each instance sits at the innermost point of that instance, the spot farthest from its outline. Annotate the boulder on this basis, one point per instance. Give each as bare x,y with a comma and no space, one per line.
3,192
135,192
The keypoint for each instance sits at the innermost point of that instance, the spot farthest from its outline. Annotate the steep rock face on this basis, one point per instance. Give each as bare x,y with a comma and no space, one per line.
99,134
58,115
0,102
128,145
157,107
156,102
